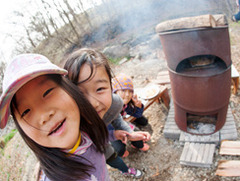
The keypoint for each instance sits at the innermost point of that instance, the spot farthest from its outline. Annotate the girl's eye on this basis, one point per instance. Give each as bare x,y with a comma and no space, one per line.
100,89
47,92
25,112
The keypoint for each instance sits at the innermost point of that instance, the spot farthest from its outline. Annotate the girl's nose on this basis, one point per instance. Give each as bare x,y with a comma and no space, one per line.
46,116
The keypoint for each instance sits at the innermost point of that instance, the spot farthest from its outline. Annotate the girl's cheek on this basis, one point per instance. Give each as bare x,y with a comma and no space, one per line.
121,94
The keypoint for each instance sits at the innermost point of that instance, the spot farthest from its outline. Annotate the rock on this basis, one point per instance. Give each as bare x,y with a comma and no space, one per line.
116,51
122,61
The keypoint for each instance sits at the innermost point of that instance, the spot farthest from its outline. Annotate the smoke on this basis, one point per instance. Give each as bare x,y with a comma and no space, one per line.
138,15
155,11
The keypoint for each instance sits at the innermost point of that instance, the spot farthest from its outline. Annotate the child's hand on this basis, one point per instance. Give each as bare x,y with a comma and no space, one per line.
136,101
139,135
121,135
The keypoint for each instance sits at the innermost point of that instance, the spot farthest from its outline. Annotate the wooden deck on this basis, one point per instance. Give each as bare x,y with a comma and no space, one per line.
197,154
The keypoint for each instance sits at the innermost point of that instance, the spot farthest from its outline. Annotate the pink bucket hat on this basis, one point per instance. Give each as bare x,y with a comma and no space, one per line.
19,71
122,82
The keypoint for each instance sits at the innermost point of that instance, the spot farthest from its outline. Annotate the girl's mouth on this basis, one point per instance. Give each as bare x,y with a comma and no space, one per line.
57,128
99,112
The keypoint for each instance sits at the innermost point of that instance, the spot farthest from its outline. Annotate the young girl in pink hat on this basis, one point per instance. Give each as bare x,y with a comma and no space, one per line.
55,120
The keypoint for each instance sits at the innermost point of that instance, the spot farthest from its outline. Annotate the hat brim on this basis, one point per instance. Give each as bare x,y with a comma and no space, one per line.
23,78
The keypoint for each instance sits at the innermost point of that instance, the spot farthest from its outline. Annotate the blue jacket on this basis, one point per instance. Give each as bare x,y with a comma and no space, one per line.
134,111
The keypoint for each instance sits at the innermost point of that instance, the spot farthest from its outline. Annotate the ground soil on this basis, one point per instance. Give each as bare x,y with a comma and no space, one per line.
161,161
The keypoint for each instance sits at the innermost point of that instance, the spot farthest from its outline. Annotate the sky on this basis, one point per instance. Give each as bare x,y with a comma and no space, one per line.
6,9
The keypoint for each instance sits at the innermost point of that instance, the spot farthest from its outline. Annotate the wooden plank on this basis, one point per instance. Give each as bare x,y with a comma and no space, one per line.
182,138
200,154
228,168
205,153
230,151
230,148
195,150
185,151
190,152
211,153
187,22
220,19
230,144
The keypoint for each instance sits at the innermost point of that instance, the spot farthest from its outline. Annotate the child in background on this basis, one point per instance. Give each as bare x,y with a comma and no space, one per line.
89,69
55,119
123,86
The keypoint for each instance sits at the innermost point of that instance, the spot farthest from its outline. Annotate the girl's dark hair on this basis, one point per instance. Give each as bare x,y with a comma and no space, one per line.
57,164
75,60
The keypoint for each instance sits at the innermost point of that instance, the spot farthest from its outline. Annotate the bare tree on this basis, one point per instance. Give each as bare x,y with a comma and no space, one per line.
62,12
81,7
47,7
29,37
27,31
40,25
71,11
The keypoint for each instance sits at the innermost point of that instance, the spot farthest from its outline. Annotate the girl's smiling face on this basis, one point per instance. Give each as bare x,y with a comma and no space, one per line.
47,114
97,89
126,95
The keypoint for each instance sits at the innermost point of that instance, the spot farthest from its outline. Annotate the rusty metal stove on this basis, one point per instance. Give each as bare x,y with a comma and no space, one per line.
199,65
